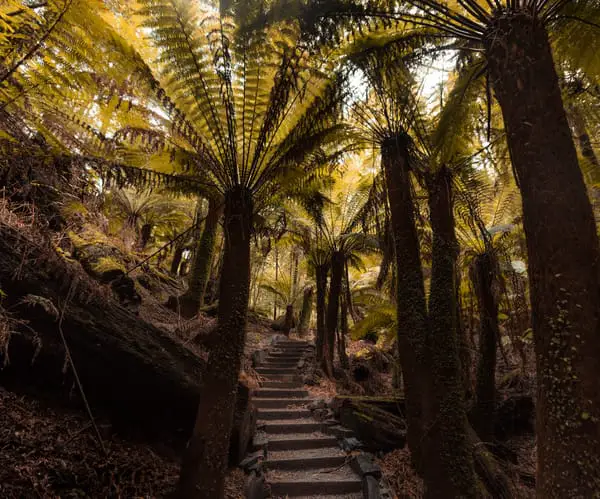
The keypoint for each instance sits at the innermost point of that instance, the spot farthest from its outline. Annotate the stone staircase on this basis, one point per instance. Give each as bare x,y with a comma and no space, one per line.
301,460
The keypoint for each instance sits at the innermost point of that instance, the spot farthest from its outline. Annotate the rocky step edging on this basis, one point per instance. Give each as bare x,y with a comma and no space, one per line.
301,450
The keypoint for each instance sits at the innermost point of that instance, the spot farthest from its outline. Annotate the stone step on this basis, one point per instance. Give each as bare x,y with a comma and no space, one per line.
300,441
293,343
305,459
279,403
276,370
286,354
311,483
265,414
291,426
280,384
289,393
265,393
290,349
276,365
288,378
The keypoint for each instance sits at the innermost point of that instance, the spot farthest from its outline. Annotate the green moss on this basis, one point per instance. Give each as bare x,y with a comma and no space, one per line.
90,235
106,264
74,208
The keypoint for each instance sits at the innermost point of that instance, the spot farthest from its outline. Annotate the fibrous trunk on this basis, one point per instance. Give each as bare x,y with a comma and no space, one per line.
449,470
333,304
306,312
145,235
321,276
484,270
343,329
562,248
193,299
288,322
205,460
410,292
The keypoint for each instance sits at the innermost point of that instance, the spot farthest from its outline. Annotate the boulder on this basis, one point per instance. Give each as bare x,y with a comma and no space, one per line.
364,465
371,488
259,357
256,487
349,444
252,462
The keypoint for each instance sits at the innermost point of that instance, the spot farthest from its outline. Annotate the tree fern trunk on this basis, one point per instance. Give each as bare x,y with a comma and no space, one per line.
449,471
485,391
410,292
306,312
205,460
288,322
321,276
333,304
563,256
193,299
145,235
344,361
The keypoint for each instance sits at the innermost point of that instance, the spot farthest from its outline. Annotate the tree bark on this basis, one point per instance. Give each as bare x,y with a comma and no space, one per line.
484,270
449,471
344,361
410,292
288,322
306,312
321,276
133,373
205,460
145,235
193,299
386,260
333,304
562,248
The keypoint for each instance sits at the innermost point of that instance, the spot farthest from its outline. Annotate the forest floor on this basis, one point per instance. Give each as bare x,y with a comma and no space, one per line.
46,452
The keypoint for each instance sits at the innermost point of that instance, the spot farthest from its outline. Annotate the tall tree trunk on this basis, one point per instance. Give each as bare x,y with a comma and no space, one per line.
410,291
145,235
344,361
386,260
193,299
348,295
176,262
288,322
464,348
449,471
484,271
306,311
562,248
333,303
321,276
205,460
276,277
